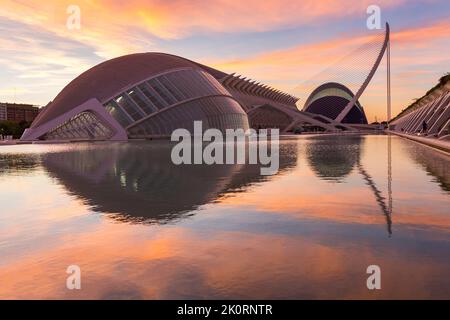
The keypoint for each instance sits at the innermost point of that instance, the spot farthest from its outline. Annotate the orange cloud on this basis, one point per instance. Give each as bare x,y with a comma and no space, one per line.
113,27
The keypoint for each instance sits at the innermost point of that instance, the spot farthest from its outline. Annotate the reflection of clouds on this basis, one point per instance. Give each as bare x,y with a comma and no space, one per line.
359,198
298,236
323,263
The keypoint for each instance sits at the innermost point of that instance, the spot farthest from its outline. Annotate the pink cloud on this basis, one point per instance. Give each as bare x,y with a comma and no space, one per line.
107,24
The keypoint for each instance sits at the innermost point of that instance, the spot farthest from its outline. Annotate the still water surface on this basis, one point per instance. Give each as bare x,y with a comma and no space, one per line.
142,228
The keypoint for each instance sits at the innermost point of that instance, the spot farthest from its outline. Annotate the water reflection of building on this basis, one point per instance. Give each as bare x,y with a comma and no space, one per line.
15,163
335,161
333,158
139,183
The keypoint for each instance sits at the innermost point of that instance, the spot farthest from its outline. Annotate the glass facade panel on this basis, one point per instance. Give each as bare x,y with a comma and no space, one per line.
117,113
148,92
169,89
162,92
84,126
124,102
141,101
183,116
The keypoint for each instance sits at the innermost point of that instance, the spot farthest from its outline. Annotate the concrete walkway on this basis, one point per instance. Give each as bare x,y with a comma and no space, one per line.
443,145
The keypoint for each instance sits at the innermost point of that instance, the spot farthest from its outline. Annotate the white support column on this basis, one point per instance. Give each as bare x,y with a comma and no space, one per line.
358,94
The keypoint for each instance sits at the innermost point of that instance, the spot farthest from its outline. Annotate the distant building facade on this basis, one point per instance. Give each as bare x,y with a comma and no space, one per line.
3,112
18,112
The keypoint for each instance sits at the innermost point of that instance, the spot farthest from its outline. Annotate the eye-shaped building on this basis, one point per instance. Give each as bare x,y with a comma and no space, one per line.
148,95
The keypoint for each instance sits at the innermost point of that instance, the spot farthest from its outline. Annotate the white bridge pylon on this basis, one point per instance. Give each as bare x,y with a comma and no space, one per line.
369,77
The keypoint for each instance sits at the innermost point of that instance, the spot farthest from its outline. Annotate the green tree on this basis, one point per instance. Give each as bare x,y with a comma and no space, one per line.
13,128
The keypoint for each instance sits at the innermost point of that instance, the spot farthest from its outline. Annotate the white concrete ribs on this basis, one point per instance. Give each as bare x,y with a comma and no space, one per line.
433,110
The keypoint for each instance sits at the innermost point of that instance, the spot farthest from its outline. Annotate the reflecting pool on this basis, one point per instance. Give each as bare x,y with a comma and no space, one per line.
140,227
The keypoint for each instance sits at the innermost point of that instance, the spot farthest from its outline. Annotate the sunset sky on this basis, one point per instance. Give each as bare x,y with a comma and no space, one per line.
278,42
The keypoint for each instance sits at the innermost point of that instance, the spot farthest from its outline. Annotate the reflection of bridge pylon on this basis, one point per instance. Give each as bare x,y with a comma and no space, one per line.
386,208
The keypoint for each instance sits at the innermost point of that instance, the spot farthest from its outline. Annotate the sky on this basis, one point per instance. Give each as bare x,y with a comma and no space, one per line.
282,43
